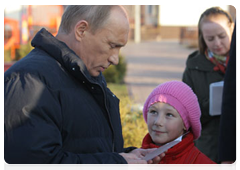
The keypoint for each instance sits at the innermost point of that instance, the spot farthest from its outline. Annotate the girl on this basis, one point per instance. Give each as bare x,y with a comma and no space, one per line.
170,111
206,66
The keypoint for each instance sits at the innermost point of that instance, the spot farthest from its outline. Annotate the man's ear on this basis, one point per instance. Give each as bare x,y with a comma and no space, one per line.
80,29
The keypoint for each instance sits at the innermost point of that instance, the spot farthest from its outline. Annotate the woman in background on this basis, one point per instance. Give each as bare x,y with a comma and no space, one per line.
206,66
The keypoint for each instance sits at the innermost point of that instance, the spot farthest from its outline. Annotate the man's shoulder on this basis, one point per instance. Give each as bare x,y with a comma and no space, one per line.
35,61
36,64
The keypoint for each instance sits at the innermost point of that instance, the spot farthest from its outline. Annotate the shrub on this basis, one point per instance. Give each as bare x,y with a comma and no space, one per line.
134,127
7,56
116,74
20,52
23,51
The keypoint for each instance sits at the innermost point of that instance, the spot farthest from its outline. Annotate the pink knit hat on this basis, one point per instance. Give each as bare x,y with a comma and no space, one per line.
182,98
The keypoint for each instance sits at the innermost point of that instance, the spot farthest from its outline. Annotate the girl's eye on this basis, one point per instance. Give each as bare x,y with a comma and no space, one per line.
152,112
170,115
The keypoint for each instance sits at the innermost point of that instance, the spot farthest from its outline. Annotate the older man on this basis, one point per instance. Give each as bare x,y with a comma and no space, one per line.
57,106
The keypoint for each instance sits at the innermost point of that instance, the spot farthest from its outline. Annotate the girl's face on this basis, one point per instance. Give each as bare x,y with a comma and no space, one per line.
164,123
217,34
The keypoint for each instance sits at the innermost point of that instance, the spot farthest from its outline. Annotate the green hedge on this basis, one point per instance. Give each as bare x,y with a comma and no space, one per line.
19,53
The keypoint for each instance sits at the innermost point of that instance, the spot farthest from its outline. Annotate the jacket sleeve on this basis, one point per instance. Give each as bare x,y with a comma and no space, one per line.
33,124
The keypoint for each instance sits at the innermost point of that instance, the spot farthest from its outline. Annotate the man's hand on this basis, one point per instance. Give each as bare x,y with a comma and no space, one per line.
143,152
227,165
136,156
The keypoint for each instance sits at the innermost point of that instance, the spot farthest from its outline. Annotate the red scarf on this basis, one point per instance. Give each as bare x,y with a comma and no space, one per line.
220,62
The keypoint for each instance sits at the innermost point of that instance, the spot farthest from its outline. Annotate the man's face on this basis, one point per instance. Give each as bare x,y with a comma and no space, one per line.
101,49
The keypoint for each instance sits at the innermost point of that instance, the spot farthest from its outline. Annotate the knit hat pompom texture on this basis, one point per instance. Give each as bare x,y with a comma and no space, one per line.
182,98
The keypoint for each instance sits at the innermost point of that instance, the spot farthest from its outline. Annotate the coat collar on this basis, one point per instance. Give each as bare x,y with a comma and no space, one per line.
64,55
198,61
178,150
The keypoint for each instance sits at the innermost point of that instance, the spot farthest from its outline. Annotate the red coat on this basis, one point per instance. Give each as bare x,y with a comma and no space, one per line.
183,153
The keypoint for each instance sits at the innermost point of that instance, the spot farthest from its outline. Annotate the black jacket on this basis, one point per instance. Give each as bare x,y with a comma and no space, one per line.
55,112
227,137
199,74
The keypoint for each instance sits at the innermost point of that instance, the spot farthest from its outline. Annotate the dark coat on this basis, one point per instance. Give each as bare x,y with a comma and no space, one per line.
227,137
199,74
55,112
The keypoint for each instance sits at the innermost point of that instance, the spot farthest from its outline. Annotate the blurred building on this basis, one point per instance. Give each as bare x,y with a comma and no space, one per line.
161,22
22,22
157,22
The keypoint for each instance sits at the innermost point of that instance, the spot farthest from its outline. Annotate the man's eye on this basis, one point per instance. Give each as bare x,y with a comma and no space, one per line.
112,45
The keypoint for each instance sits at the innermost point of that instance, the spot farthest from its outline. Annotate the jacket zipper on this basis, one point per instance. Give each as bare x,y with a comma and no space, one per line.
111,126
105,101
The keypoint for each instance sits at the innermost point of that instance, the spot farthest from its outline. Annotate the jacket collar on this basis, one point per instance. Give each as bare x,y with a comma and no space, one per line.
177,150
198,61
64,55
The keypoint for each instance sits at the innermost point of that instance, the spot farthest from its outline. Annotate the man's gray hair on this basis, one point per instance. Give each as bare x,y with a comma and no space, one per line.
95,15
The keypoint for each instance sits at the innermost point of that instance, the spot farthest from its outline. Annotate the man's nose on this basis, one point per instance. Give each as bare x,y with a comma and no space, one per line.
114,58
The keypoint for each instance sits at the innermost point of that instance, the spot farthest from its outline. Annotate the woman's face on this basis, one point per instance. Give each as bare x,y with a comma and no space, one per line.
164,123
217,34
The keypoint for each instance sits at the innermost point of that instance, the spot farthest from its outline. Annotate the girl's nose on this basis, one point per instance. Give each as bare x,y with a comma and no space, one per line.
159,121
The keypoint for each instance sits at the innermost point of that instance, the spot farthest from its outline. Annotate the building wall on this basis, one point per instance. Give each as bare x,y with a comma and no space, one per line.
159,22
183,27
